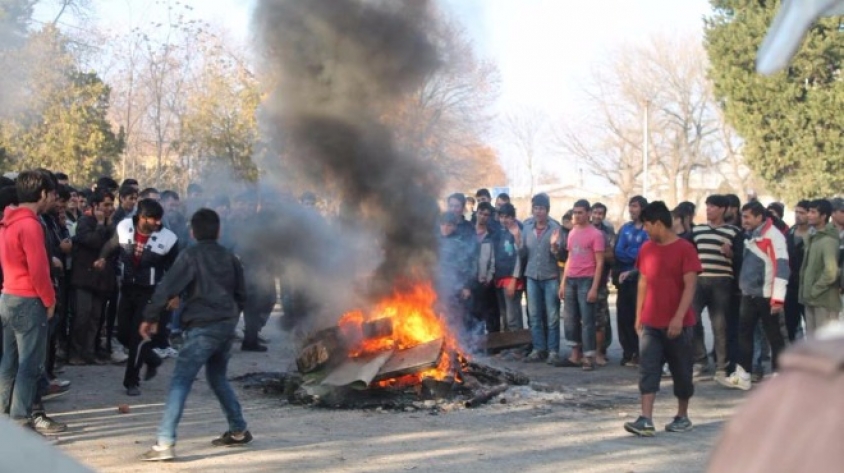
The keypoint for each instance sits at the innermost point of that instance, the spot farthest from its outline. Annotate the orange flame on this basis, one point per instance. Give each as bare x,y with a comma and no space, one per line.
414,322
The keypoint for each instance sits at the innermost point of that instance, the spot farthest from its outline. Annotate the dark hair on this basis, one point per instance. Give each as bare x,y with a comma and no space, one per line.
62,192
567,215
503,196
507,210
459,197
598,205
99,197
205,224
129,182
483,192
583,204
167,195
755,208
541,200
718,200
655,212
31,184
638,199
106,183
126,191
146,192
733,200
150,208
823,206
686,208
804,204
194,188
777,208
60,176
8,196
486,206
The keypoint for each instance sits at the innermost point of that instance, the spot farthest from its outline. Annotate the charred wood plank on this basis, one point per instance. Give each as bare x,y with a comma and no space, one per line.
494,375
412,360
321,349
502,340
486,395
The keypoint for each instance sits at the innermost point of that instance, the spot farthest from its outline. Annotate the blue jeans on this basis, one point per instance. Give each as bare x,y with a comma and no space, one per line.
24,353
579,322
544,311
208,346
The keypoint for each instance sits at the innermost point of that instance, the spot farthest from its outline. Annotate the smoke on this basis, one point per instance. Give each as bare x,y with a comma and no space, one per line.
336,66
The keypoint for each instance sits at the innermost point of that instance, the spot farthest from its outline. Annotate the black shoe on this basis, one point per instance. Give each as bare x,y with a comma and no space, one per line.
45,425
133,391
643,427
150,372
228,439
257,347
158,453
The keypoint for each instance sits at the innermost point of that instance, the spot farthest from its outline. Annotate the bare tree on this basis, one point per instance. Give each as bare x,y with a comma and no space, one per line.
526,133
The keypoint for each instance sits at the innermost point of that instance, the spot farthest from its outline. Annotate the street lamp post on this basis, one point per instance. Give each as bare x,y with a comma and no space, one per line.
645,166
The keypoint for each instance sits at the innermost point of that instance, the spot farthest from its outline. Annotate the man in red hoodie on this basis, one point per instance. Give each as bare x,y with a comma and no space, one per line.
28,300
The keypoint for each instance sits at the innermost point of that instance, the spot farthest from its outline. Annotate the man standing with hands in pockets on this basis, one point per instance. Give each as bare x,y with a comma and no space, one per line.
668,268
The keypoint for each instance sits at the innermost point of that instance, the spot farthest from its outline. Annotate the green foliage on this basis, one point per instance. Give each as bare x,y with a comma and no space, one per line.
791,122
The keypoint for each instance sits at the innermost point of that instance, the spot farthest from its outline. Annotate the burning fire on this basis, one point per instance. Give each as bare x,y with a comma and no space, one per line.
413,320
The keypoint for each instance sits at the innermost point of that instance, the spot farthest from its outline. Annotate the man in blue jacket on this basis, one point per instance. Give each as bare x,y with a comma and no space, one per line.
631,237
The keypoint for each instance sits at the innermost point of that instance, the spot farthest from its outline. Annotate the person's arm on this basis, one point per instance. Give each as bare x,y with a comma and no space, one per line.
596,279
90,234
240,285
783,270
829,274
38,263
689,285
561,292
640,301
626,251
176,280
110,247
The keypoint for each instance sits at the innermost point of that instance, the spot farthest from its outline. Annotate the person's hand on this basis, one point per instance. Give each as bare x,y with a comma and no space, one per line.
639,327
148,329
675,327
623,276
66,245
510,290
99,265
592,295
776,307
99,215
51,311
727,249
57,263
517,234
465,294
555,237
173,303
562,291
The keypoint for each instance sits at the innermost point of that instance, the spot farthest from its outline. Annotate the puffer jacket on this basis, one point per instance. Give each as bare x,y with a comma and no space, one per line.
159,254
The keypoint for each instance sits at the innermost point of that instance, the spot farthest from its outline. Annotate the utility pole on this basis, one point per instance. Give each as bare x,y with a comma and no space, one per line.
645,126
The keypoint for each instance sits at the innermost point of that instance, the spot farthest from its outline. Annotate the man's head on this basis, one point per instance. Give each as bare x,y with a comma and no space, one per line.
819,212
716,208
62,198
102,201
599,214
62,179
448,223
222,205
456,203
501,199
106,184
36,187
752,215
149,216
483,195
150,193
470,201
775,208
656,220
540,206
170,202
635,206
507,215
205,225
130,183
733,208
485,212
567,220
838,211
801,213
195,191
580,213
128,198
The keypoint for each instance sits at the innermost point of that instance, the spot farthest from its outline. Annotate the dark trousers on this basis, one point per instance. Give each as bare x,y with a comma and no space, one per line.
485,307
758,310
625,315
794,311
715,294
133,300
106,327
89,312
656,348
259,305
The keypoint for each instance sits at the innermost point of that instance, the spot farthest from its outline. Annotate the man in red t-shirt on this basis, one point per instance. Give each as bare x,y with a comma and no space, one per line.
668,267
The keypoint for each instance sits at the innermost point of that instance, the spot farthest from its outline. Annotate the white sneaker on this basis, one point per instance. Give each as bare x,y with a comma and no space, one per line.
117,356
161,352
171,352
739,379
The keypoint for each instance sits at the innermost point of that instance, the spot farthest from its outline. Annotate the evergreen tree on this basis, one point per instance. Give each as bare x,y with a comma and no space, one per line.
791,122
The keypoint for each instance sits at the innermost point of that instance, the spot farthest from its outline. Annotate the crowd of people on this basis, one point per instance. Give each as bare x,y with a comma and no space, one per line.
762,283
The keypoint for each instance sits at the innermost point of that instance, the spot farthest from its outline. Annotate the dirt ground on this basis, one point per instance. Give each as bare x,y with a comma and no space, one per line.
573,422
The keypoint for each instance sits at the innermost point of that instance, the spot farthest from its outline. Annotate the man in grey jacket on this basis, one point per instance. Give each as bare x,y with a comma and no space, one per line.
540,243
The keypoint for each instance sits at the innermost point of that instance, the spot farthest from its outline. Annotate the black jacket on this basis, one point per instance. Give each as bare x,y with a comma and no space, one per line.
90,239
211,278
159,254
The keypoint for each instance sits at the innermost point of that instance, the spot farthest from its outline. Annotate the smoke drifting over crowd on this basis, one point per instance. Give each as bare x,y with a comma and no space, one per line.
336,64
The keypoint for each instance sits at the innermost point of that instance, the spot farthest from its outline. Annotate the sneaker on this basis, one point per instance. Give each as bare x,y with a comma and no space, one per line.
176,340
54,391
159,453
232,439
553,359
535,357
699,369
666,373
171,352
256,347
738,380
720,377
757,377
265,341
633,362
679,424
118,357
62,383
643,427
45,425
161,352
133,391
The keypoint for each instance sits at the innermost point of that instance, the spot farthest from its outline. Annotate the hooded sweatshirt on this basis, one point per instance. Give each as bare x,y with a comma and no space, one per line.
23,255
819,272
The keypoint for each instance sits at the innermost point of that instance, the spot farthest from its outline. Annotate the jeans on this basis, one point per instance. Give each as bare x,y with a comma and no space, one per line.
655,348
24,322
761,349
715,294
209,346
544,314
758,310
511,308
579,322
625,315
